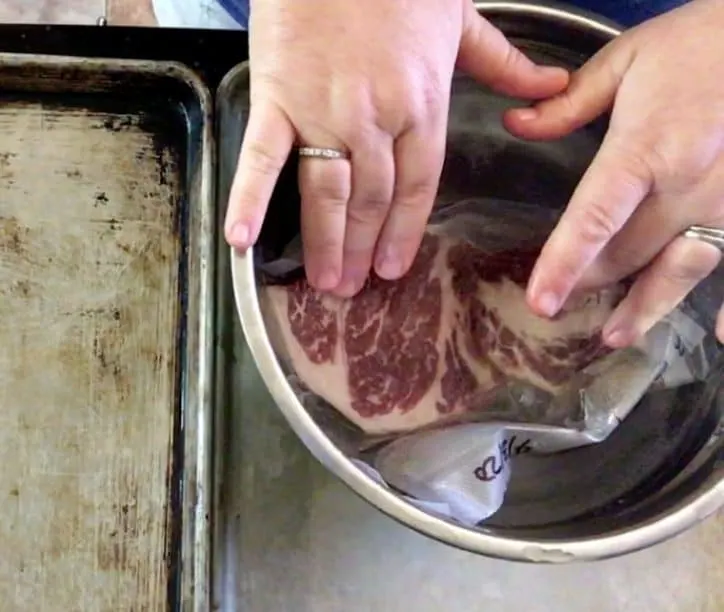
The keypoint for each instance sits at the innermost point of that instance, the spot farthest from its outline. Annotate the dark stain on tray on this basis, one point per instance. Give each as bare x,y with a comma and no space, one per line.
118,124
101,199
12,235
21,287
6,173
127,527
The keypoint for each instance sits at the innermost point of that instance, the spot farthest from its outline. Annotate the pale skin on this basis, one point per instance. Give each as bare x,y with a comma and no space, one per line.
373,79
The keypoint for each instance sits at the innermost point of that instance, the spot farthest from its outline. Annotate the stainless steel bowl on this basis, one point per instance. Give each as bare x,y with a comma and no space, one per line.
656,476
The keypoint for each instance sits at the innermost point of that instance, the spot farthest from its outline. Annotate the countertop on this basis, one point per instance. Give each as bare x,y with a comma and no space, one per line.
325,550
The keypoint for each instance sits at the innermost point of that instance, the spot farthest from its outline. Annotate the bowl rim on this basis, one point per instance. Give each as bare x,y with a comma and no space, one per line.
688,512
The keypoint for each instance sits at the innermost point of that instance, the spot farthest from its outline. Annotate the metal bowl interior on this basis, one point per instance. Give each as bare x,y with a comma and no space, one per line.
657,475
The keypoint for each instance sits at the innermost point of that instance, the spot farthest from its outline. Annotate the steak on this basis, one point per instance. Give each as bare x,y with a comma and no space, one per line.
436,344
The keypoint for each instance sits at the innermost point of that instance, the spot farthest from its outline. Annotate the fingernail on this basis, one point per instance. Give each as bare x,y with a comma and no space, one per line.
551,70
526,114
389,265
239,235
327,280
548,304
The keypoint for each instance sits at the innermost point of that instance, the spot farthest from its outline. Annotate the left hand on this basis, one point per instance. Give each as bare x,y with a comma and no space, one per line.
659,170
371,79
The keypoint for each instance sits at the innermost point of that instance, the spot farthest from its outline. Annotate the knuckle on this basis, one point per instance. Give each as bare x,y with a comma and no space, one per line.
321,241
424,96
261,161
323,245
323,194
325,197
418,196
572,104
683,272
509,62
377,202
668,159
360,132
423,188
563,106
432,100
597,224
371,207
354,122
514,59
405,229
679,162
685,263
428,106
324,189
635,161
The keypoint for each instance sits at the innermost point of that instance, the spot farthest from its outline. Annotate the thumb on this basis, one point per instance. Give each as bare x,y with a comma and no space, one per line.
487,56
590,93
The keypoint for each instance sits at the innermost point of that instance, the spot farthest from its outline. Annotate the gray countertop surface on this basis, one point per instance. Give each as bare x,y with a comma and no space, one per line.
298,540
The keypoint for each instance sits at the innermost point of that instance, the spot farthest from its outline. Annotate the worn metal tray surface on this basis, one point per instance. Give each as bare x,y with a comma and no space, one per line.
291,537
105,308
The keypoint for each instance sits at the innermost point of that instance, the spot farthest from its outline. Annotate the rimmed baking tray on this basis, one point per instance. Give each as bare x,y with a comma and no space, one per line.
107,233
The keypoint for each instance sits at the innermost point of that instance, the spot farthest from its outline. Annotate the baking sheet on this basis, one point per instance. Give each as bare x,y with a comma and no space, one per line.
106,309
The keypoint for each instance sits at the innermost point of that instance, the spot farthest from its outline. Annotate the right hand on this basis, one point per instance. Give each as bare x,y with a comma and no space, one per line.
373,79
659,170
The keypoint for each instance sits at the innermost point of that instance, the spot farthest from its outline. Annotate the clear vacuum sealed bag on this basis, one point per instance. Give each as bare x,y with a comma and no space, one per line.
445,376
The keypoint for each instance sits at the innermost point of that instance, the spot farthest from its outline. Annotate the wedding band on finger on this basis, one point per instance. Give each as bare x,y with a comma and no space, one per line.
322,153
710,235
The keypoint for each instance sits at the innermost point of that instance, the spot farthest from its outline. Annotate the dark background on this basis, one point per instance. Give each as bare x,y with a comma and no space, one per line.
212,53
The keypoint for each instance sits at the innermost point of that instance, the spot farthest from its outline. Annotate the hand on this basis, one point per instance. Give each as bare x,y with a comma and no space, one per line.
370,78
659,170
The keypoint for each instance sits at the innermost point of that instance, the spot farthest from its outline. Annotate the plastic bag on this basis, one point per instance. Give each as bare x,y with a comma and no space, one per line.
458,463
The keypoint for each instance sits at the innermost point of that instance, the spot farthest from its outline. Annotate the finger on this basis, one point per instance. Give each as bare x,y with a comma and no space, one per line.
325,187
265,148
656,222
661,217
609,192
373,182
419,156
486,55
590,93
660,288
720,325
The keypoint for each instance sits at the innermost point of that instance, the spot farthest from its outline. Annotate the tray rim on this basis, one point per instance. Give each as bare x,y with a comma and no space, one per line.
224,326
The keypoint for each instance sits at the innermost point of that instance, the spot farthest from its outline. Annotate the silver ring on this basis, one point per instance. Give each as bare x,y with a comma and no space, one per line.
710,235
322,153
